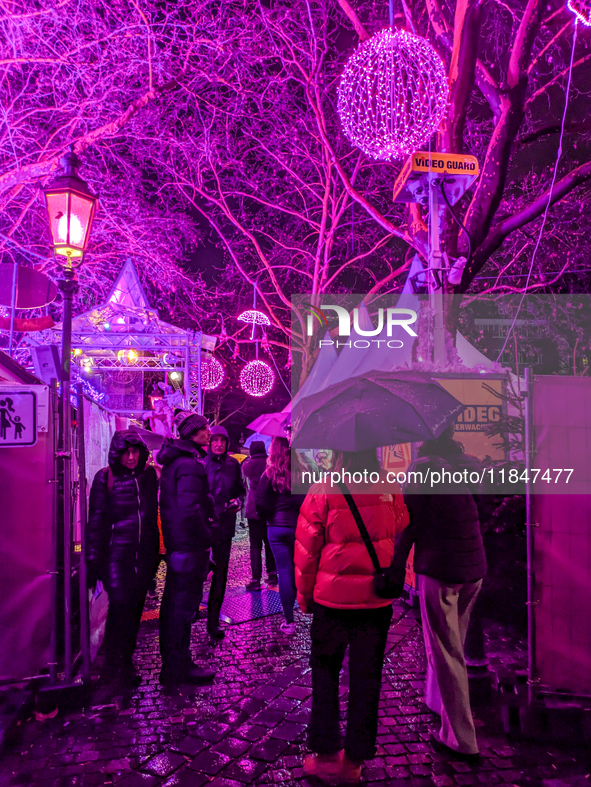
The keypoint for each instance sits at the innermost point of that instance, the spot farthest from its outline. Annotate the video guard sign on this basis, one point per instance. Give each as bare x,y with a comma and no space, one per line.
18,418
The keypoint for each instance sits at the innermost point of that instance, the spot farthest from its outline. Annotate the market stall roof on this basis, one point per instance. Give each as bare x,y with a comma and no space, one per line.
125,335
12,372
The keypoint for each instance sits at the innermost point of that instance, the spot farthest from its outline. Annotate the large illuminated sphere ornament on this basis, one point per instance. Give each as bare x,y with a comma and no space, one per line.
212,373
392,95
257,378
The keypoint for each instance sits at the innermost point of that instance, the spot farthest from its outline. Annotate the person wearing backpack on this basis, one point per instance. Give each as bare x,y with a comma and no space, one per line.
335,579
450,563
122,543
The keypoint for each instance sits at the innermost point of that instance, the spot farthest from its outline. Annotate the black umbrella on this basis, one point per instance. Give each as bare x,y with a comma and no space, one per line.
377,408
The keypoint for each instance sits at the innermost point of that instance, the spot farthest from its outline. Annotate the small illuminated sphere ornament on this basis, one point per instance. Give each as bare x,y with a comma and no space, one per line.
127,357
212,373
393,94
257,378
582,10
255,317
176,377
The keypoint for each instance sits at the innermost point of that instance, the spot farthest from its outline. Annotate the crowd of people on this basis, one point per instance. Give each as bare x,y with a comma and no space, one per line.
320,548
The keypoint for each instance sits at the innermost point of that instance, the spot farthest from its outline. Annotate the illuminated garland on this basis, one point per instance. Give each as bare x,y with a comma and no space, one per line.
89,390
257,378
393,94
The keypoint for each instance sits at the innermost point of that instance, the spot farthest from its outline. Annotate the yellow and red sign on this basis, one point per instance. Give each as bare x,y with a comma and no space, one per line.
420,169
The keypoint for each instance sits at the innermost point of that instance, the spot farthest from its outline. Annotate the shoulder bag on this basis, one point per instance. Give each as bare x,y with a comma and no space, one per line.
385,583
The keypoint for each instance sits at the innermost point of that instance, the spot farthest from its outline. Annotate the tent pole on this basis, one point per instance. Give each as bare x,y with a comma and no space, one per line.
530,525
434,284
13,307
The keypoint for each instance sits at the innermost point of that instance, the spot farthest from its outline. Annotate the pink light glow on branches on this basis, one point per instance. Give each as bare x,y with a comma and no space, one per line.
393,94
257,378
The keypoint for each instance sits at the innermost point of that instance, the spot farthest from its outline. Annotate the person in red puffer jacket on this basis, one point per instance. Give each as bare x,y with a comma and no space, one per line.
334,579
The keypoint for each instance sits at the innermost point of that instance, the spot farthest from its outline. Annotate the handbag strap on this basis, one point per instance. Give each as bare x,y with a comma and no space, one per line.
360,524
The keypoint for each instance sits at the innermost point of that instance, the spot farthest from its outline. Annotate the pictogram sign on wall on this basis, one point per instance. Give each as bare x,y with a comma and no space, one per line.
18,417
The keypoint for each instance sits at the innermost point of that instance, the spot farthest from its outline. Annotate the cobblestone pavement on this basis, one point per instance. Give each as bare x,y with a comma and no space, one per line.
248,728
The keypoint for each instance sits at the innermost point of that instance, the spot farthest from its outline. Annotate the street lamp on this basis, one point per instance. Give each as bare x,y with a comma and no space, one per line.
70,210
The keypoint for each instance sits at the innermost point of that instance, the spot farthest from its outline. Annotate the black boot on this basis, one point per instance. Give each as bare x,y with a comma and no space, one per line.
216,633
128,676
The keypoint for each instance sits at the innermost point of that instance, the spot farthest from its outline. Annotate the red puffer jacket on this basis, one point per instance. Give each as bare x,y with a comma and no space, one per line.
332,564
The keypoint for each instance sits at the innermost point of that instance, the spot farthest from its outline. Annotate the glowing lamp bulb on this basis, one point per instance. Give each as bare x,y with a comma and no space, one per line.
175,376
127,357
76,231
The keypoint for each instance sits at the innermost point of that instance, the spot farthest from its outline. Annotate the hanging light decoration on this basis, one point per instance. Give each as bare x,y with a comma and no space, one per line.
582,10
257,378
254,317
127,357
393,94
212,373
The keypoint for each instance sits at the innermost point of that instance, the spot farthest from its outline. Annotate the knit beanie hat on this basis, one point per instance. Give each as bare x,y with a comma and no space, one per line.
189,423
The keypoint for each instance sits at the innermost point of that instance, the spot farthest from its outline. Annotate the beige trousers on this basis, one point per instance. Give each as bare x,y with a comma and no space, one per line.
445,612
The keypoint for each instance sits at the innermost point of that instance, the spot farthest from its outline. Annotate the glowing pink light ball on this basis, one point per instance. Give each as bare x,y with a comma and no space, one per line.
393,94
212,373
257,378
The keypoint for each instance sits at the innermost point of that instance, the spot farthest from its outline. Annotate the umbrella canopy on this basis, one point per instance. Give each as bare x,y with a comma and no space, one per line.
272,424
262,438
378,408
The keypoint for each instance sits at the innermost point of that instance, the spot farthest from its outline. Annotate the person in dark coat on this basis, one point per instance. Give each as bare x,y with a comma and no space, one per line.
450,562
280,508
252,469
122,545
187,515
228,492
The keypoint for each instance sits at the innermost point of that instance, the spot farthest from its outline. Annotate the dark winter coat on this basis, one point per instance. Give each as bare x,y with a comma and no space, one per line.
445,528
279,509
122,532
225,484
253,468
186,507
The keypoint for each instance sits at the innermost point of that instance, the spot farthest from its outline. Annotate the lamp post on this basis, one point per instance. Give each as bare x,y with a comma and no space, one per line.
70,210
